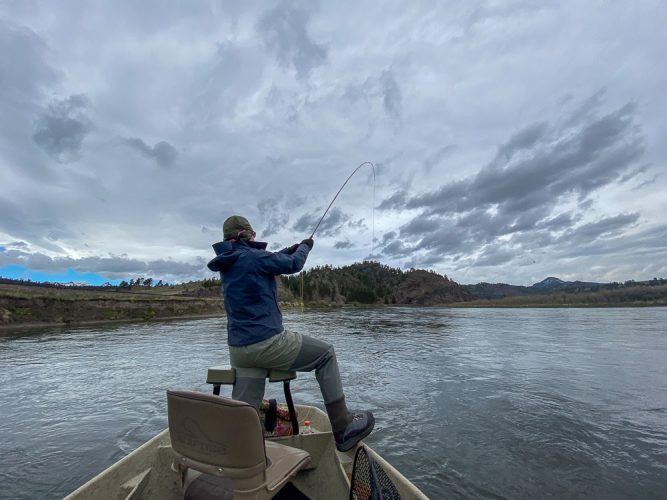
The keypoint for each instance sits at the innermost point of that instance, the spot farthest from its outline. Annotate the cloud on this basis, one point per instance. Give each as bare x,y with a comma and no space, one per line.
112,267
163,153
275,219
650,243
25,67
480,152
391,94
635,173
434,159
61,130
396,248
512,202
381,88
494,256
343,245
447,239
21,245
557,236
359,224
573,160
397,200
387,237
12,218
284,30
524,139
420,226
557,222
589,108
502,11
331,225
43,230
600,228
647,182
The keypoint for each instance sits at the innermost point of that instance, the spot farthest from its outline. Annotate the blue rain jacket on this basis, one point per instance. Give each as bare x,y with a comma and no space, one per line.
248,274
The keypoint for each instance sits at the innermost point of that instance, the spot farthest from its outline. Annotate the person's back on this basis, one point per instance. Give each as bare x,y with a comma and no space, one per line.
248,279
255,333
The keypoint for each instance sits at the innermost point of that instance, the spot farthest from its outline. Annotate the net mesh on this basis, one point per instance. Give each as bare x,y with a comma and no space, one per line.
369,480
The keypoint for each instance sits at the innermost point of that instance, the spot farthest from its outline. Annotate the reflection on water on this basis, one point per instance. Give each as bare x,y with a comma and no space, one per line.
469,403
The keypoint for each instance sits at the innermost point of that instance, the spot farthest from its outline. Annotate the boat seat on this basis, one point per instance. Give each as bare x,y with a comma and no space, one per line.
224,375
223,439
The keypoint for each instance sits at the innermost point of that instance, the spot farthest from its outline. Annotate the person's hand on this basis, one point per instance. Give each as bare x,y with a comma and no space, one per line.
293,248
309,242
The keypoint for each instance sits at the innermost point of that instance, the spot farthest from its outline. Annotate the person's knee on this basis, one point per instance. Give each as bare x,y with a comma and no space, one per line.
328,356
314,353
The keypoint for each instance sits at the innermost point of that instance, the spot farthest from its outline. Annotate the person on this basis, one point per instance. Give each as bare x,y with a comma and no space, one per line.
255,334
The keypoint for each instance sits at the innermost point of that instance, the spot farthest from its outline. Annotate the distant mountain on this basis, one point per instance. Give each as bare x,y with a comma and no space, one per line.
75,284
551,284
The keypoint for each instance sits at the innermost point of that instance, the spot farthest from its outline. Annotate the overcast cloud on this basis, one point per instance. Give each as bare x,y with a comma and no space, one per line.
512,141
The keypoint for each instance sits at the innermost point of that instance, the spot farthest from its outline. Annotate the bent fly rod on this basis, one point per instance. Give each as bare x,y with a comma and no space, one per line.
341,188
327,211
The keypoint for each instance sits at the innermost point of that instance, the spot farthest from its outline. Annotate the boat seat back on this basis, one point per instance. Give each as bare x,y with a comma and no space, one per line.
224,438
217,375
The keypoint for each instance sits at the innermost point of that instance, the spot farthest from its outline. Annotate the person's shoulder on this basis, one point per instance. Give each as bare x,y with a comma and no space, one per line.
260,254
253,246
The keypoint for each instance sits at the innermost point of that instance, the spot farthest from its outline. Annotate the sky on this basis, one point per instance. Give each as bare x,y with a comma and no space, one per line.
510,140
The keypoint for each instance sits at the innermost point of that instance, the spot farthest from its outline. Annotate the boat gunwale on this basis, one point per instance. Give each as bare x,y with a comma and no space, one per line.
145,453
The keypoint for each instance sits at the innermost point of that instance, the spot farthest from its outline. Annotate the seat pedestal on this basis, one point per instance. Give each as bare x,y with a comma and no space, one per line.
224,375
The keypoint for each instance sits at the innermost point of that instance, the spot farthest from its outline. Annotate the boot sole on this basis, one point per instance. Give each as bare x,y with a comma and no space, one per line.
353,441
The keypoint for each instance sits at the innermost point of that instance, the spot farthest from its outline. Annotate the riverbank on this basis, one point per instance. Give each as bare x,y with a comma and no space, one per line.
34,306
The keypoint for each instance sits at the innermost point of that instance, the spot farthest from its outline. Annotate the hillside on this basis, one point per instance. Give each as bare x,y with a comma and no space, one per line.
368,283
584,290
626,296
373,283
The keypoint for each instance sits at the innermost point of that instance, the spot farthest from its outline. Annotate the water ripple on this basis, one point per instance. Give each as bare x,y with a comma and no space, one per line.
469,403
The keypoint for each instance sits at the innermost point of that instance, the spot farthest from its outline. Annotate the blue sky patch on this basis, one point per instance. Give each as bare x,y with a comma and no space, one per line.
21,272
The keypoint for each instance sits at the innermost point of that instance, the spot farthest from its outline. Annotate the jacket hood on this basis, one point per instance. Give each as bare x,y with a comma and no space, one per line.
227,253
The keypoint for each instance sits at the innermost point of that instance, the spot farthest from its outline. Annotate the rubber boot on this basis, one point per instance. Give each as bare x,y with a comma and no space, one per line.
339,416
348,429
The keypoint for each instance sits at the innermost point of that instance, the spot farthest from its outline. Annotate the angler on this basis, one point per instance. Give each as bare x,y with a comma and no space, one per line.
255,332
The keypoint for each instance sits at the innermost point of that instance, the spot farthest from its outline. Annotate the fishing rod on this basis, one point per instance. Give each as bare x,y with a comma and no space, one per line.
341,188
327,211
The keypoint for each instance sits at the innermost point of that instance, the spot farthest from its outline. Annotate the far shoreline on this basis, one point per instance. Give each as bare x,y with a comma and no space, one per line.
75,324
6,329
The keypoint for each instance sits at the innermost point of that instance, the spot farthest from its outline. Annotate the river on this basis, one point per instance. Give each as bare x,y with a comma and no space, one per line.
470,403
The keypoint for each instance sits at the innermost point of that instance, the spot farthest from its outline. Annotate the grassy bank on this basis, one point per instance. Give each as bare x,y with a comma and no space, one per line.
633,296
32,305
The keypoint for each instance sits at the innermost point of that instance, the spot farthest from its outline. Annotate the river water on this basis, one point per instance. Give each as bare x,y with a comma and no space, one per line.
470,403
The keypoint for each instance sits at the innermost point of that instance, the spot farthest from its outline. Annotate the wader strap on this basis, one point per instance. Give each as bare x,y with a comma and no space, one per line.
290,407
271,416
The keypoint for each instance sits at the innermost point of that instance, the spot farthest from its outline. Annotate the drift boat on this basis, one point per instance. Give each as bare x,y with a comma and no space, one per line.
216,447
